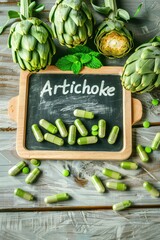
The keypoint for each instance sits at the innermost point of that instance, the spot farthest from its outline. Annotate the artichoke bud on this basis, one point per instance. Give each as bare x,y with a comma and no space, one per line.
31,40
112,39
141,72
71,20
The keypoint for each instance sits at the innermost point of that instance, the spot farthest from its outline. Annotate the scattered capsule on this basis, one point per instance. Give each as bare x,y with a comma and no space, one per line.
66,172
61,127
80,127
148,149
37,133
121,205
156,141
98,184
32,176
155,102
35,162
23,194
146,124
112,174
102,128
152,190
117,186
17,168
53,139
94,128
94,133
83,114
129,165
87,140
48,126
113,135
72,135
57,198
142,154
26,170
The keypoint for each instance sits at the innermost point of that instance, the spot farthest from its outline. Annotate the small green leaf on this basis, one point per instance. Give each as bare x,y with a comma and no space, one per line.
80,49
95,54
85,58
64,64
138,10
94,63
71,58
76,67
39,8
121,13
13,14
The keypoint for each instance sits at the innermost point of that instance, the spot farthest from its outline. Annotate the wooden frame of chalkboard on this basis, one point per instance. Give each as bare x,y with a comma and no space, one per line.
78,153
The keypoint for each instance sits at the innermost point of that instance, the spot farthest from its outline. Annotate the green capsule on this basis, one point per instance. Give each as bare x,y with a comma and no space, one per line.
94,133
23,194
83,114
94,128
129,165
72,135
112,174
32,176
37,133
87,140
48,126
113,135
57,198
80,127
53,139
156,141
17,168
117,186
121,205
152,190
98,184
142,154
102,128
35,162
61,128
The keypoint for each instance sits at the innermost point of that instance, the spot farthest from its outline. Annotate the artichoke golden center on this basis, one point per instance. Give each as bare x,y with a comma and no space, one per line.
114,44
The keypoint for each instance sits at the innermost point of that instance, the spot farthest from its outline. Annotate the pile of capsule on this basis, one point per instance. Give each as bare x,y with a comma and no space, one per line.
78,125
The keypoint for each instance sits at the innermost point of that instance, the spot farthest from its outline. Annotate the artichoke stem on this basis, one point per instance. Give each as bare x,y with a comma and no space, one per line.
113,5
24,8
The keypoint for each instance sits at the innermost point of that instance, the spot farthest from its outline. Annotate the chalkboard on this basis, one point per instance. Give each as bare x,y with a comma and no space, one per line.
55,94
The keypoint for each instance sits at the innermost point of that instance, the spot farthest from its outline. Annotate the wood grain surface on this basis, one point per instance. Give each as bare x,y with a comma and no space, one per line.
36,220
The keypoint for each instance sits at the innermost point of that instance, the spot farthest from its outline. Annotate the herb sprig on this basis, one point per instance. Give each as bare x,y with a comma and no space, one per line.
78,58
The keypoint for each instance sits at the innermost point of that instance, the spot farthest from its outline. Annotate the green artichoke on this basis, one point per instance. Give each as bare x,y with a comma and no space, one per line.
112,39
141,71
72,22
32,44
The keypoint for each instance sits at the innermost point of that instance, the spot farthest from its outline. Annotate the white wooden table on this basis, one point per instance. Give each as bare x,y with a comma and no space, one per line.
88,214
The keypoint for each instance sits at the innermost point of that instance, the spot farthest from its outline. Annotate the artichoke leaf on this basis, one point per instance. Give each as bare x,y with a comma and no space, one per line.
40,33
20,62
63,11
60,28
130,69
44,61
68,39
70,27
52,46
89,27
35,59
28,42
14,56
24,54
157,83
157,65
27,65
15,40
135,79
148,79
134,57
51,13
43,50
145,66
78,17
76,40
23,27
82,33
86,10
74,4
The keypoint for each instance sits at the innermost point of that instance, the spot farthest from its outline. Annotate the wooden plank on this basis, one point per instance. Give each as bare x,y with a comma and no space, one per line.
95,225
78,185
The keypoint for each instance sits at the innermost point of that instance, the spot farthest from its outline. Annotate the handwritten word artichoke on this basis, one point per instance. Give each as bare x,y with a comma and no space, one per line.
72,22
113,39
142,69
32,44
